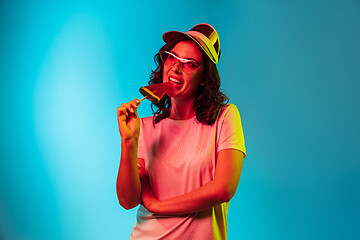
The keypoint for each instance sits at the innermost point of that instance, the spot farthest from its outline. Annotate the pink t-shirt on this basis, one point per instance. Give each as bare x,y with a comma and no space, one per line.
180,156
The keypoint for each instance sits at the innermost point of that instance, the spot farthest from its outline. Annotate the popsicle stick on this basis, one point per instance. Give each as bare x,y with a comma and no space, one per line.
143,98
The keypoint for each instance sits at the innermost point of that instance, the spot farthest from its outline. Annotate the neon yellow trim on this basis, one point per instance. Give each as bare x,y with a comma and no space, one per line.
150,93
208,44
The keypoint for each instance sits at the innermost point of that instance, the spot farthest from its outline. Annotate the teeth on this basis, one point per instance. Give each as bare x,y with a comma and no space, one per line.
174,80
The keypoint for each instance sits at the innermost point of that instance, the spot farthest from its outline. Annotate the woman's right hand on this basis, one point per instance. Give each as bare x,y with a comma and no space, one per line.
129,121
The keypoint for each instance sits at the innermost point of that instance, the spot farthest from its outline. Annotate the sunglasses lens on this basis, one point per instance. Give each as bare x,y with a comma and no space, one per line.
190,66
171,59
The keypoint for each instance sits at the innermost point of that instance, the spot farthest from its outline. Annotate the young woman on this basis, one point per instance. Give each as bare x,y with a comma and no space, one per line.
182,165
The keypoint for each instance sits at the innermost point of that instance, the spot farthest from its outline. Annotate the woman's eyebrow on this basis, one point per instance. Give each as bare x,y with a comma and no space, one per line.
183,58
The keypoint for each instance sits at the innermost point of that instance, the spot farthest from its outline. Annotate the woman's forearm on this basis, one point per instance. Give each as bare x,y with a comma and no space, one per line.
128,184
205,197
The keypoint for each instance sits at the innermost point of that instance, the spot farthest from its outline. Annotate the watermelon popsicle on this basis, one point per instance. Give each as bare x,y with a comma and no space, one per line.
154,92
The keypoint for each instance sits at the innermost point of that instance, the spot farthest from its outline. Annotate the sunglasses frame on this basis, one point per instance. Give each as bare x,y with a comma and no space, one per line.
181,60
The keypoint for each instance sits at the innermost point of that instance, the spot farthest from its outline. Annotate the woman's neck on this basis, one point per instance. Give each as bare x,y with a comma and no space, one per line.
181,109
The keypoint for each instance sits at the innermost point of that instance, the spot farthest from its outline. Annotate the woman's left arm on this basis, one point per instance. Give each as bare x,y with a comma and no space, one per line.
221,189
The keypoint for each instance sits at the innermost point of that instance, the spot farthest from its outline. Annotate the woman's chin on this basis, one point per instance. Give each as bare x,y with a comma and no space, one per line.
173,91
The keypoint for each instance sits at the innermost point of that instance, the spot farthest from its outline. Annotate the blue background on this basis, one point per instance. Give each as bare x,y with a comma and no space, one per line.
291,67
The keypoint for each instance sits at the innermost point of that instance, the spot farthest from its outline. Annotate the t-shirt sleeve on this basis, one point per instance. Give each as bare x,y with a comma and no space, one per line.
230,132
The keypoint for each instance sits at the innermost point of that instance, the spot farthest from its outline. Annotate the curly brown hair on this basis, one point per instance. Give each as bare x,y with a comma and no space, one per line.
209,99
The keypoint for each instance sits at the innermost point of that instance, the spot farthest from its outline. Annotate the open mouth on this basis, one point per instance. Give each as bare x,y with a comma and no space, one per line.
175,81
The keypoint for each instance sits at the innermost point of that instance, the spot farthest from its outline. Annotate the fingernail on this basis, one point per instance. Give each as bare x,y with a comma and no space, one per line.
132,110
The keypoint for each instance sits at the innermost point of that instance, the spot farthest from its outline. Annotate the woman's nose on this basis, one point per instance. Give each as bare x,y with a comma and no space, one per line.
177,67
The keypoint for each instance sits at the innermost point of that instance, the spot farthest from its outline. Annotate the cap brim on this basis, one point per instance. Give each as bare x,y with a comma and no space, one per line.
171,35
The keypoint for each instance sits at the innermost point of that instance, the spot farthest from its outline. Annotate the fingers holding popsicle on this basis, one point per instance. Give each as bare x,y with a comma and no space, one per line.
128,120
129,107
